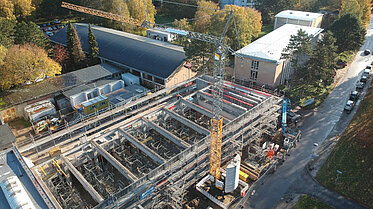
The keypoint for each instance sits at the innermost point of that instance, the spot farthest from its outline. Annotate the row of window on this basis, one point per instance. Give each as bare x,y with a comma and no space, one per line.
254,70
95,106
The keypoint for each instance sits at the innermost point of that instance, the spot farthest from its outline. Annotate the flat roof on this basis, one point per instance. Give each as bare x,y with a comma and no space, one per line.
94,100
6,135
120,95
96,72
151,56
299,15
270,47
10,166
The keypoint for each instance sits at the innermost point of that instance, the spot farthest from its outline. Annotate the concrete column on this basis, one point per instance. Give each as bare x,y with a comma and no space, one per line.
187,122
179,142
142,147
87,186
123,170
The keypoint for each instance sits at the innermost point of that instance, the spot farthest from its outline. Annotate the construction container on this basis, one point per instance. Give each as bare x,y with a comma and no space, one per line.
232,174
94,105
38,110
130,79
55,152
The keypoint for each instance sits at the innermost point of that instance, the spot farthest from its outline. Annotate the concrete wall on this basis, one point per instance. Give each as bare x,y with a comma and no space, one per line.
181,75
279,21
268,72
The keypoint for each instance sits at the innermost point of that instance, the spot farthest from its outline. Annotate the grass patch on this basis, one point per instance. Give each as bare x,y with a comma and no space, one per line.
2,103
265,30
24,122
162,18
309,202
353,155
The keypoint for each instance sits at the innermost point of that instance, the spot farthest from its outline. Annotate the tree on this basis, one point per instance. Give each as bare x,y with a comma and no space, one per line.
322,61
93,46
6,10
136,9
3,52
22,8
7,29
28,32
60,54
298,50
74,47
269,8
350,7
204,13
365,6
351,37
25,63
51,8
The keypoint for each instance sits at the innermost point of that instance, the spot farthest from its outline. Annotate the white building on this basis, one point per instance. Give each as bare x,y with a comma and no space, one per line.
309,19
260,62
241,3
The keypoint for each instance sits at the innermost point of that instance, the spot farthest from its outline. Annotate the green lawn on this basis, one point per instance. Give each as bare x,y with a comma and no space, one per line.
161,18
353,156
265,30
309,202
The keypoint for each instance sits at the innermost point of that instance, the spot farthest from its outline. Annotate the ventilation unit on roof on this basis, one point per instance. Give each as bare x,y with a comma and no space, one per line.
307,14
291,12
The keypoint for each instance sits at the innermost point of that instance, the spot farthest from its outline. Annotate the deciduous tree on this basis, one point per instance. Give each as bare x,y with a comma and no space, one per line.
3,51
365,6
93,46
349,33
136,9
350,7
28,32
7,9
60,54
23,8
204,13
74,47
26,63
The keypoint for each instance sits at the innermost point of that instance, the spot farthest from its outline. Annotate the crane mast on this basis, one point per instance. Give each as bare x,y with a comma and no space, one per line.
216,127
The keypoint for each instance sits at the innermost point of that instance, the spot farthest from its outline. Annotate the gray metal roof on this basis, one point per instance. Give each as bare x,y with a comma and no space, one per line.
96,72
76,90
6,135
144,54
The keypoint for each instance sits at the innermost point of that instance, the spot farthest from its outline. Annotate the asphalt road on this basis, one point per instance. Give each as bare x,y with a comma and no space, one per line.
315,129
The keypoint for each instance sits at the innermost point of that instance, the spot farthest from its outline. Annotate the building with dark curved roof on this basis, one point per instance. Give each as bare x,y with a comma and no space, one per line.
155,62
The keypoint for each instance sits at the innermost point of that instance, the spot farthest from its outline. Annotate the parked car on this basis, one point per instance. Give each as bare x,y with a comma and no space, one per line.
56,21
49,33
54,28
354,96
360,85
366,72
341,64
44,25
349,106
367,52
49,29
363,78
44,30
60,26
293,117
369,67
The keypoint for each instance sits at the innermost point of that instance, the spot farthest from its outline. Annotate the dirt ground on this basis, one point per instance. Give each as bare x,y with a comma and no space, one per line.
20,129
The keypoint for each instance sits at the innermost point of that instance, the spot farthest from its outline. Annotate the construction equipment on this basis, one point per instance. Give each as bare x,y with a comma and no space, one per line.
218,71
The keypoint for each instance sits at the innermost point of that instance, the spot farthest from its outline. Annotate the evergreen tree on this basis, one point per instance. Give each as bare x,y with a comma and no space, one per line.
93,46
299,49
74,47
349,32
28,32
7,29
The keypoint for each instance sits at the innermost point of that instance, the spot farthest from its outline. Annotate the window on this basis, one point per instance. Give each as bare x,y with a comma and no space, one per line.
255,64
253,75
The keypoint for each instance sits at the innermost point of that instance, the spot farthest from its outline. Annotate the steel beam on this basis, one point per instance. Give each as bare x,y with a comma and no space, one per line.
201,109
87,186
179,142
123,170
142,147
235,107
187,122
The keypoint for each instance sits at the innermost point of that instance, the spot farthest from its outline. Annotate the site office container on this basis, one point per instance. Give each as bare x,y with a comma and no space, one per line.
94,105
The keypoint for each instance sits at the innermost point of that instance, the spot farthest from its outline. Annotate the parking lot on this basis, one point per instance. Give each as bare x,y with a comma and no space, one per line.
52,27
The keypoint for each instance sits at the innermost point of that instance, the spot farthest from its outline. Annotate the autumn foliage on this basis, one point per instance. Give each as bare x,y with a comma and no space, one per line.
26,63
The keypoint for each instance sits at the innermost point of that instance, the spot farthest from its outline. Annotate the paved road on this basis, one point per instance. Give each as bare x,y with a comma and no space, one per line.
315,129
305,184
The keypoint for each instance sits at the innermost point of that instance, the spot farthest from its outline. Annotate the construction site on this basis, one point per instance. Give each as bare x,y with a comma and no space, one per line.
156,160
201,143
